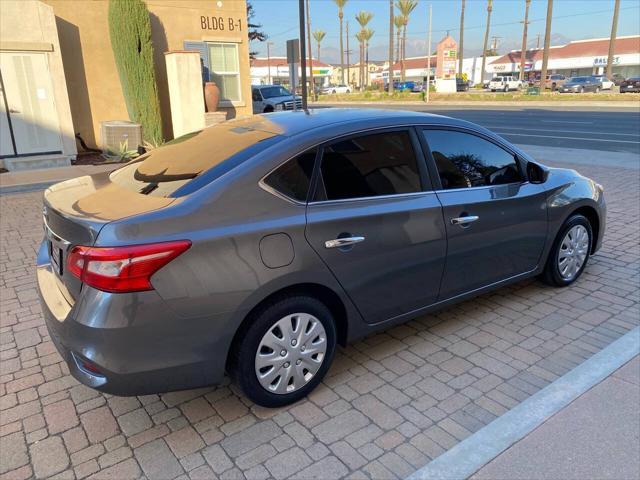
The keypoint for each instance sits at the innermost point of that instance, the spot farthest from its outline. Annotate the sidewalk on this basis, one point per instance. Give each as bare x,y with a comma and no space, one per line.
596,436
29,180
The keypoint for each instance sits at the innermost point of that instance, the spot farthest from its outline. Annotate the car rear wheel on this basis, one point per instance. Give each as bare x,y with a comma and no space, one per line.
285,352
570,252
597,89
581,89
506,88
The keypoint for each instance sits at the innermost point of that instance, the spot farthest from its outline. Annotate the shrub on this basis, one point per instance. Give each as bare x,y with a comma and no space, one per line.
130,32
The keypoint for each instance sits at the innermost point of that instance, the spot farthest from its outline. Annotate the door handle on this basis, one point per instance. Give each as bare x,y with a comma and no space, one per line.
343,242
464,220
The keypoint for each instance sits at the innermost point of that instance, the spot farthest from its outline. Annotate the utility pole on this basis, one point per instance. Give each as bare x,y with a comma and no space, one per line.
547,41
461,47
486,40
612,39
348,63
313,86
538,42
523,53
429,58
269,63
303,56
391,24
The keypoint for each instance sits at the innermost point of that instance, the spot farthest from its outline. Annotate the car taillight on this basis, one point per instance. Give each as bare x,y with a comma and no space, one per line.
122,269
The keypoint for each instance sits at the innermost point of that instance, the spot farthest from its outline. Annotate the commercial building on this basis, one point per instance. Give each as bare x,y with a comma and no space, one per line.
580,57
59,76
275,70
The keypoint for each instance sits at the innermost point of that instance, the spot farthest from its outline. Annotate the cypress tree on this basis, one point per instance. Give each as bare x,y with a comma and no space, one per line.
130,32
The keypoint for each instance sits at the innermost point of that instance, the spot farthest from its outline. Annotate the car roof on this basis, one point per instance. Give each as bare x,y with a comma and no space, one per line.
294,122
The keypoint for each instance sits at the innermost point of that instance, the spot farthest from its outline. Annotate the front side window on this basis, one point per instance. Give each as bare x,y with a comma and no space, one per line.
464,160
292,179
225,69
273,92
369,166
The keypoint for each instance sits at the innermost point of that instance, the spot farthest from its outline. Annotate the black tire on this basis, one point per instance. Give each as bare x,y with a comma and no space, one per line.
551,274
581,89
334,92
242,359
553,87
268,109
506,88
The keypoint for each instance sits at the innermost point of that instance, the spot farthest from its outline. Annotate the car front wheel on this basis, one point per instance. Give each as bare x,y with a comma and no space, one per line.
569,253
285,352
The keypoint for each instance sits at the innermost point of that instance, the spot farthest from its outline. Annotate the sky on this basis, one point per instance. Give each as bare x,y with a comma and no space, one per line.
572,20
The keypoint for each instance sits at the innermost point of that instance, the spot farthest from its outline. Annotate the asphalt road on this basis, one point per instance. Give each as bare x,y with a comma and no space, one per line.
595,128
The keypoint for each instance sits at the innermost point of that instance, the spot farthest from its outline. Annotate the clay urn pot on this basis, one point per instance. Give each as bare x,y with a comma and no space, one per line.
211,96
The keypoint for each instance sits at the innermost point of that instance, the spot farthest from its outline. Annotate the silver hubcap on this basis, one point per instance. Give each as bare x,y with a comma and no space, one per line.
573,252
291,353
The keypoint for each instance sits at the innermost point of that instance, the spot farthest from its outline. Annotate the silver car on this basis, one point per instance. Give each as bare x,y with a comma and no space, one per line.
255,246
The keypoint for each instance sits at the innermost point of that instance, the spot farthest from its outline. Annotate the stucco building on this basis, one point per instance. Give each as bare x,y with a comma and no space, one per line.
59,76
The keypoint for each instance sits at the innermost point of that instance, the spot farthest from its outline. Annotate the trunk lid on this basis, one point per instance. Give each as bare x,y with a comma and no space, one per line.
76,210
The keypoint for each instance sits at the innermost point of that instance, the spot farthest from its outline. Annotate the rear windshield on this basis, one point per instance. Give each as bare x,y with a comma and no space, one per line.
189,162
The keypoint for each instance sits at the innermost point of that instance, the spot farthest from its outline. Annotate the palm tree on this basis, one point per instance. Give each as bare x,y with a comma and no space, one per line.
486,39
547,41
340,4
398,21
612,40
367,33
405,7
362,18
461,46
360,38
319,35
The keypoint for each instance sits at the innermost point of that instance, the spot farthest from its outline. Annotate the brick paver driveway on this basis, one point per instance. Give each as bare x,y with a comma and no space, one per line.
389,404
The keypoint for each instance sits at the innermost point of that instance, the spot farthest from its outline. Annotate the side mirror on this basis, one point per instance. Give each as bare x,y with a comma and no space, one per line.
536,173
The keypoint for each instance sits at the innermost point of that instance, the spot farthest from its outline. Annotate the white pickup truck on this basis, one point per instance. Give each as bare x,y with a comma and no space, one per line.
504,83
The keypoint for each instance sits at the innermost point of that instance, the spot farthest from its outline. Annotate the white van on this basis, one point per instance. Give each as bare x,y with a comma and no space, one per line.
504,83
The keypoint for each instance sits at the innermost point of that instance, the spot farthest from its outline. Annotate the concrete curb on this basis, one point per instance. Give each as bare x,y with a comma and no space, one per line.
474,452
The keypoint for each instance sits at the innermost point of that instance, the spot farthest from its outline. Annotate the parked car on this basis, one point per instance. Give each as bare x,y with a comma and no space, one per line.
404,86
630,85
580,85
336,89
605,83
554,81
504,83
617,79
461,85
257,245
273,98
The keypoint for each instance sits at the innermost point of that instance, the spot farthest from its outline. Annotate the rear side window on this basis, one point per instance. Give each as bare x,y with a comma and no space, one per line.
369,166
292,179
465,160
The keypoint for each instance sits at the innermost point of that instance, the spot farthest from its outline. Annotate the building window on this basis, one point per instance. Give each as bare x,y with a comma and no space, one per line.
225,70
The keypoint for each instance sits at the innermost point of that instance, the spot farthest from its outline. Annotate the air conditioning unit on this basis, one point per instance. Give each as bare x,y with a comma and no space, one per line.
114,134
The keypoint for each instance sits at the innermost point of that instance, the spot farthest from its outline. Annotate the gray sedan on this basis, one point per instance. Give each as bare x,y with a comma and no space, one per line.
256,246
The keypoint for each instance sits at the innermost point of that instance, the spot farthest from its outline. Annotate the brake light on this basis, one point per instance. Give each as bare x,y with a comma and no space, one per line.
122,269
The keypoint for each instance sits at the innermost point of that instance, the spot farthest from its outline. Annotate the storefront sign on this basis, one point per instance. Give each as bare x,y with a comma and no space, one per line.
221,24
602,61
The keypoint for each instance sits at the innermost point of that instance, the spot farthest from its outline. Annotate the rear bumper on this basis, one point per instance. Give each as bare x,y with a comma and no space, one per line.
137,344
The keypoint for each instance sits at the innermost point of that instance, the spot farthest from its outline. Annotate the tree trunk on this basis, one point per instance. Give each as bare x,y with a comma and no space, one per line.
486,40
461,45
523,53
547,41
398,46
612,40
403,52
340,15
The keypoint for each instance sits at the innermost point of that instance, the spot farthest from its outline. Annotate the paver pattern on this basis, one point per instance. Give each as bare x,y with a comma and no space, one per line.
389,404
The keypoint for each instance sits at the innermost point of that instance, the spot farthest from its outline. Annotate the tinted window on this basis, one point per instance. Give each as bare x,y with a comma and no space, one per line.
371,165
293,178
465,160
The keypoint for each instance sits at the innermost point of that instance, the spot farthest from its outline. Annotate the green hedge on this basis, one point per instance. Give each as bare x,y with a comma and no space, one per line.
130,32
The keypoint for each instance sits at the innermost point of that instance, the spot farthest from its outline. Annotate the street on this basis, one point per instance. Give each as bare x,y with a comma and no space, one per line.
390,404
603,129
